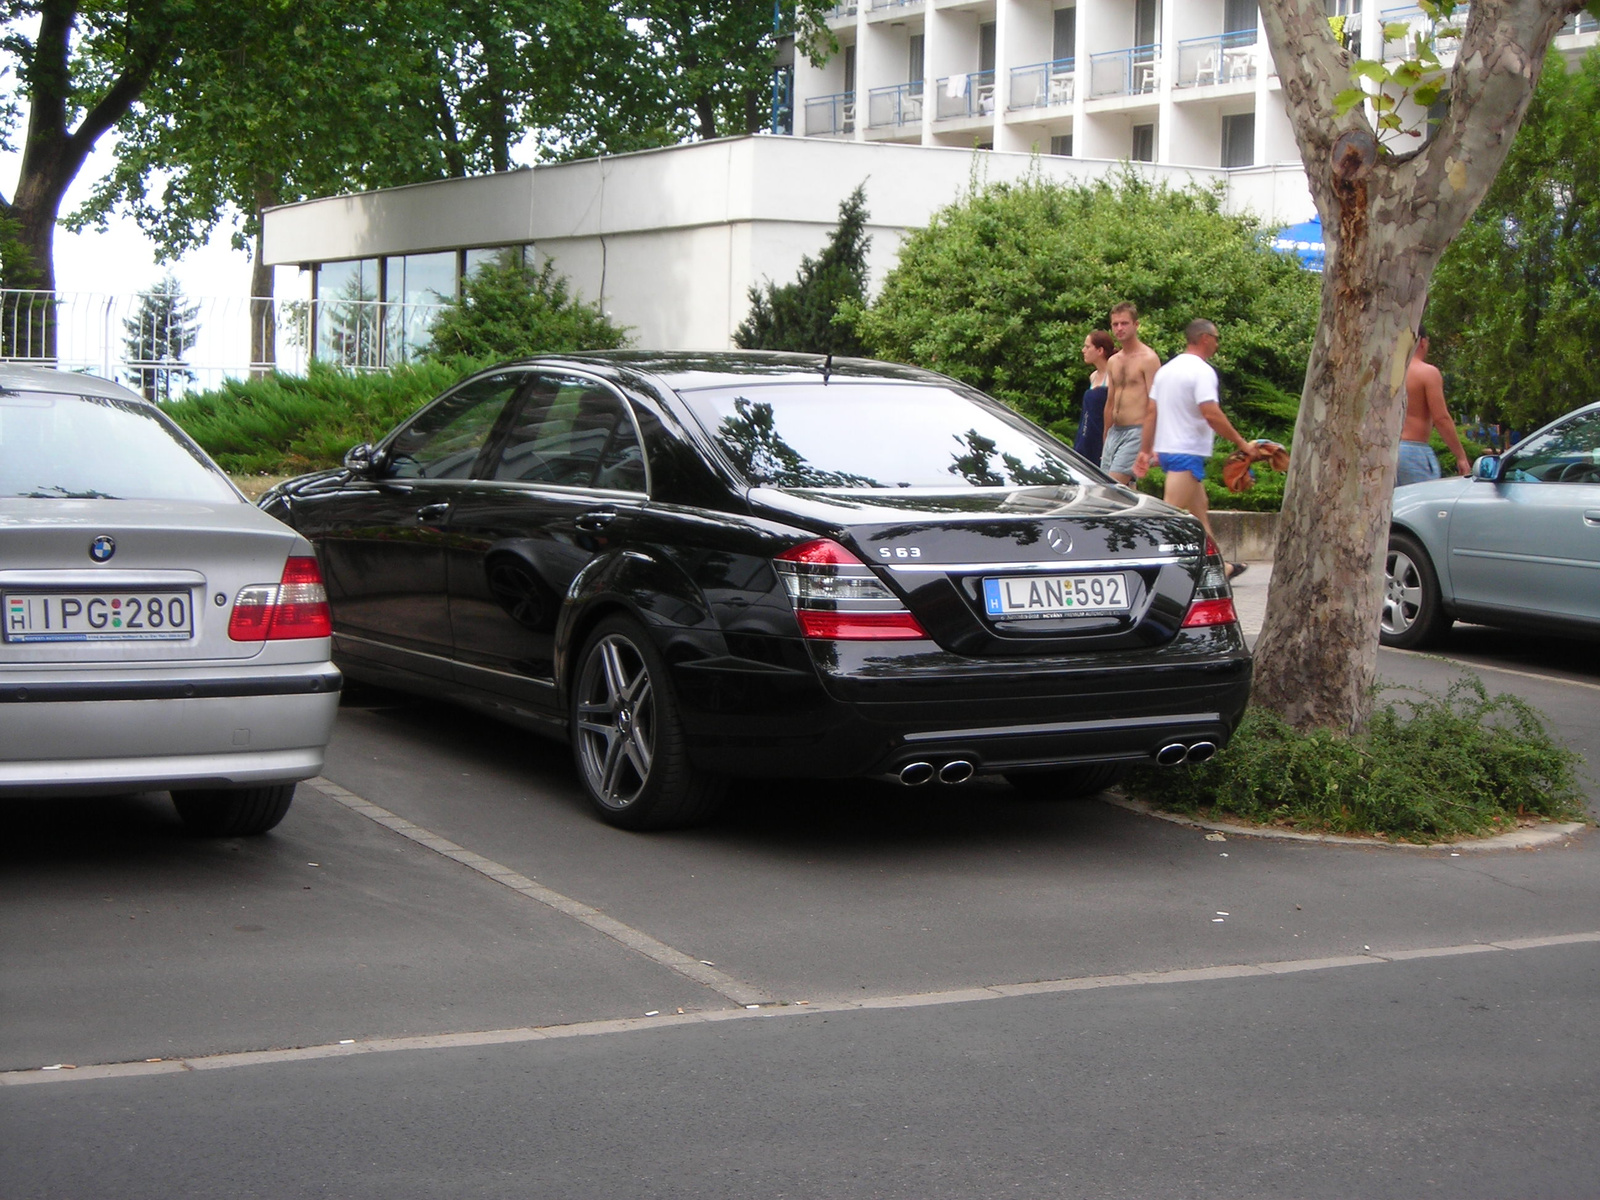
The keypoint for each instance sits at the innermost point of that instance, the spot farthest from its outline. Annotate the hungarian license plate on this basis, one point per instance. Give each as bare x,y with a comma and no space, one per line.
1025,597
132,616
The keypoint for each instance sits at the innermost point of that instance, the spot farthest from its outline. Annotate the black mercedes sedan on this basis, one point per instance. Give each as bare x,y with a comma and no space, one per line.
696,567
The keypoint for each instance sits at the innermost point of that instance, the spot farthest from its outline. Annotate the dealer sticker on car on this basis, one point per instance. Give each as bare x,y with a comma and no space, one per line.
1036,596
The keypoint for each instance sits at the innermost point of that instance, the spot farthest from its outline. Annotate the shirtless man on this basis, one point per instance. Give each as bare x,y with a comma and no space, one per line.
1128,377
1425,411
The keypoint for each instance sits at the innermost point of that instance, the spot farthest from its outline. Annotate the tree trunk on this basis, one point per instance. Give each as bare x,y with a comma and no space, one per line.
1387,218
263,282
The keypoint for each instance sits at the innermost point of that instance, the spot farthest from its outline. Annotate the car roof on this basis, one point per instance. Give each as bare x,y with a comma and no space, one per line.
688,370
15,377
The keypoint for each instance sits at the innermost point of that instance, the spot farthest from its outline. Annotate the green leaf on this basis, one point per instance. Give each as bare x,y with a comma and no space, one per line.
1348,99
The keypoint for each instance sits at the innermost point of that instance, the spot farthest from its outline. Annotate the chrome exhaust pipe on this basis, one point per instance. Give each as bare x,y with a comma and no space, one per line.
958,771
1172,754
916,774
1201,751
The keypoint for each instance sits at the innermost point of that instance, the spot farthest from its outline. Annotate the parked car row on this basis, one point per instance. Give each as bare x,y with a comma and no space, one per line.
694,568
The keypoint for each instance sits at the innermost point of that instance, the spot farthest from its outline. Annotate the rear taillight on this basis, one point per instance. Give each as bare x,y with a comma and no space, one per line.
1213,599
836,598
294,607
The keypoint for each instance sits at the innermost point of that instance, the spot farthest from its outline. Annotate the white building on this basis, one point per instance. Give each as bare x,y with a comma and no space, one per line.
924,98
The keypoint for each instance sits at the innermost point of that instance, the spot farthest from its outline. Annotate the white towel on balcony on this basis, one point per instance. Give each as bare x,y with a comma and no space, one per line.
956,86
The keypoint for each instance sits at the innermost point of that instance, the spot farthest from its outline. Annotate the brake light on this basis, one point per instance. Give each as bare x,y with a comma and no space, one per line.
294,607
836,598
1213,599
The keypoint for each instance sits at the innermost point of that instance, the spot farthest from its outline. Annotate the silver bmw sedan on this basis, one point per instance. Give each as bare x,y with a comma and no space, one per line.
157,631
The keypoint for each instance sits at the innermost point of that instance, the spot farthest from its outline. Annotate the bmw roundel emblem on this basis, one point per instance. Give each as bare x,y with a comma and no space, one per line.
1059,539
102,548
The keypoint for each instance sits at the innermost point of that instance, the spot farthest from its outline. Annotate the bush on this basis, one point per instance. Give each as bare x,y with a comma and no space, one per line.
285,425
802,315
1424,770
510,310
1000,289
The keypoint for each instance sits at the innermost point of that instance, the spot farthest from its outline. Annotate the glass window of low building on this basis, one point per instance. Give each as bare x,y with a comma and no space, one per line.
1061,145
1144,143
416,287
346,313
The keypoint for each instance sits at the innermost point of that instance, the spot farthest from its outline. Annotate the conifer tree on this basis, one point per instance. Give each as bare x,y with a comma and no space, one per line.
800,315
160,332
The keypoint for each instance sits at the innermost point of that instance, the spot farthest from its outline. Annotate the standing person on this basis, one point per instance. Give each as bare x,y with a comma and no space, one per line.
1184,421
1098,348
1425,412
1129,375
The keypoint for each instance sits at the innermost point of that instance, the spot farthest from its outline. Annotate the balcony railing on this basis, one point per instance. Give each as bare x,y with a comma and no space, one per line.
969,95
838,11
1418,25
1129,72
1226,58
831,114
1043,85
876,5
1584,22
897,105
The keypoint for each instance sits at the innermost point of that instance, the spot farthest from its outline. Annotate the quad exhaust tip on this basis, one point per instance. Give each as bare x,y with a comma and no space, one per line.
1174,753
958,771
916,774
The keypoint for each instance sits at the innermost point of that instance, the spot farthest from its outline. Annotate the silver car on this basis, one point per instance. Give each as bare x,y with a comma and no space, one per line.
157,631
1516,545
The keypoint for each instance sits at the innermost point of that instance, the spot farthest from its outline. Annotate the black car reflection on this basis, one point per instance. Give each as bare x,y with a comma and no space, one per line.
697,567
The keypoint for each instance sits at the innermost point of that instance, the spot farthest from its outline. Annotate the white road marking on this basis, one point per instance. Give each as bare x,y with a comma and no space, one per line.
967,995
636,940
1477,666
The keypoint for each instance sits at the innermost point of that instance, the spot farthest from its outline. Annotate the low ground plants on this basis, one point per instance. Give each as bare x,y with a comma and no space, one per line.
1429,767
286,424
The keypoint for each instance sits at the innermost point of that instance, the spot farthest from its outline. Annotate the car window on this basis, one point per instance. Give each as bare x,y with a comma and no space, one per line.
573,432
99,448
878,435
1567,453
444,440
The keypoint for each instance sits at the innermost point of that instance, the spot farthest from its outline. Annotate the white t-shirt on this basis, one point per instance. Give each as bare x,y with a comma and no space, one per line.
1179,389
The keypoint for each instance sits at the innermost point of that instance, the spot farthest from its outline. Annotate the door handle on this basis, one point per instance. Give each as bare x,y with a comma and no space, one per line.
433,512
1592,517
596,521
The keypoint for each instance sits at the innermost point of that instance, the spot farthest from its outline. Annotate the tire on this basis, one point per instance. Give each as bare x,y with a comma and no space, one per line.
1068,783
627,736
233,812
1413,612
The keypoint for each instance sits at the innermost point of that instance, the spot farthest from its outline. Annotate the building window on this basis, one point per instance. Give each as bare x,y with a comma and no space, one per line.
1144,143
986,46
1061,145
850,68
345,313
916,68
1239,15
1065,43
414,288
1239,140
1146,22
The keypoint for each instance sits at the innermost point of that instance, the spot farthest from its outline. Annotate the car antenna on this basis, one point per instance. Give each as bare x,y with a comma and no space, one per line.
827,367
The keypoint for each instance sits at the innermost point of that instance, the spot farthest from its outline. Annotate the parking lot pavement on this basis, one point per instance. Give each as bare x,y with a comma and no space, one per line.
1250,597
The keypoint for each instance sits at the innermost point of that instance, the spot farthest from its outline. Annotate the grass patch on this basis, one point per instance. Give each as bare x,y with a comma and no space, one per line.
1429,769
287,425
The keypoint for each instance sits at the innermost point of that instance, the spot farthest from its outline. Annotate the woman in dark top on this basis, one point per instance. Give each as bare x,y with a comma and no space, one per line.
1098,348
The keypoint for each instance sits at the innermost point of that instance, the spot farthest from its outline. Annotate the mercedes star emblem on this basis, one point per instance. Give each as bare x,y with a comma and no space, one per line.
1060,540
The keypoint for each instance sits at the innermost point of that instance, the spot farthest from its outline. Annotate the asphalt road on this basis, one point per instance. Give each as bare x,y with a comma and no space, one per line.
434,978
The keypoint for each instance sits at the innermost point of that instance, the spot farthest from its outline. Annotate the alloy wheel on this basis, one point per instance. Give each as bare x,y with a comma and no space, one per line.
1402,593
615,721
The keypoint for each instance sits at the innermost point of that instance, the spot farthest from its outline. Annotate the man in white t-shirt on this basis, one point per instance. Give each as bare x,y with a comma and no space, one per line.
1182,425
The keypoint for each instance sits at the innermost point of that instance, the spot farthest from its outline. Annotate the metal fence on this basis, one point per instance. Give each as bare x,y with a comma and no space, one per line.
169,350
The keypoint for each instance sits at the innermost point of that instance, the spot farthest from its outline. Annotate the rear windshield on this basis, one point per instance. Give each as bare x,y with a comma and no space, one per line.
55,446
850,434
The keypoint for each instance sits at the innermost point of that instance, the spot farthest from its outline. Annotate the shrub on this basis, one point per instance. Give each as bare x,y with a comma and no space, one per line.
511,310
1426,769
802,315
284,425
1000,289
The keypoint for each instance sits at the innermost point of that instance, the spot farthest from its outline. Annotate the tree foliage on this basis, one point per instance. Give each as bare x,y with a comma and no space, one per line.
511,310
1514,316
1001,288
157,336
801,315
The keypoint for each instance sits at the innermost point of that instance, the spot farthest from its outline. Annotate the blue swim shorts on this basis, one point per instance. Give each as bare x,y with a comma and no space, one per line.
1192,463
1418,464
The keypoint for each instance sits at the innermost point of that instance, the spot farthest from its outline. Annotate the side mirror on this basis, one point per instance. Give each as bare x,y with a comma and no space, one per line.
1487,467
361,459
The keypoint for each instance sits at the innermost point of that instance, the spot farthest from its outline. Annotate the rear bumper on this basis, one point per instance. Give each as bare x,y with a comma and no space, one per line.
764,722
86,735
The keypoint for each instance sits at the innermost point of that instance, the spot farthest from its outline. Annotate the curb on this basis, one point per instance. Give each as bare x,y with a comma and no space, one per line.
1516,839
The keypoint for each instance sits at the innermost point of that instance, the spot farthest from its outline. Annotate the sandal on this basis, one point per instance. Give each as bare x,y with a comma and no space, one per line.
1237,569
